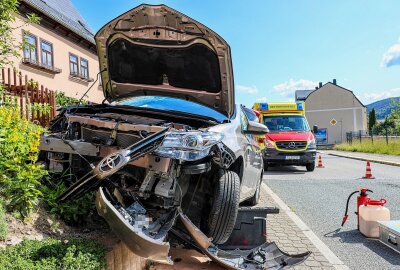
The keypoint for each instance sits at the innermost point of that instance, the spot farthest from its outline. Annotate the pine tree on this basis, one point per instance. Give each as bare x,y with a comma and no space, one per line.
372,120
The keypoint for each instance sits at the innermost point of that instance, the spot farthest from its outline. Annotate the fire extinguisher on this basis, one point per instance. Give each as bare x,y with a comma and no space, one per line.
361,199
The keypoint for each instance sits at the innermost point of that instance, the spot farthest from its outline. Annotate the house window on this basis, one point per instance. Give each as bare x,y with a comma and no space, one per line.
84,69
30,48
47,53
73,64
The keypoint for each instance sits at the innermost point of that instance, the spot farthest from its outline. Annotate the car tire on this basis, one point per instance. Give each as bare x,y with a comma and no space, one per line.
310,166
225,206
256,197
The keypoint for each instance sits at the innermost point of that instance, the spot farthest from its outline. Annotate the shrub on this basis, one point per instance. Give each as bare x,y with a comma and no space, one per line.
3,222
62,100
20,175
53,254
72,212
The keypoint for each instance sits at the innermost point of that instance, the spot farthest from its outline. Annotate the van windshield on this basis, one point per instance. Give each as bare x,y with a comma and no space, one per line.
286,123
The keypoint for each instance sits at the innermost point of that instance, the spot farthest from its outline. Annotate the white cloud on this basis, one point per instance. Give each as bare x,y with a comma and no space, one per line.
392,56
247,89
288,88
262,99
368,98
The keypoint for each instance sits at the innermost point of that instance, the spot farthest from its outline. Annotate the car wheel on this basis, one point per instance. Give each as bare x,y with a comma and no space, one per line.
310,166
225,206
256,197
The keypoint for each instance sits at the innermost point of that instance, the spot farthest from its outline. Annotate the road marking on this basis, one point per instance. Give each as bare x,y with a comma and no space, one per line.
324,249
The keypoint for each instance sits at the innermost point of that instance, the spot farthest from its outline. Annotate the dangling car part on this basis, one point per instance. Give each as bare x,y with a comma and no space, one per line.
170,151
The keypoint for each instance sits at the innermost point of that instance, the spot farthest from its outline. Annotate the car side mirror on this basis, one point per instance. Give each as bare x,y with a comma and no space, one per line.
315,129
256,128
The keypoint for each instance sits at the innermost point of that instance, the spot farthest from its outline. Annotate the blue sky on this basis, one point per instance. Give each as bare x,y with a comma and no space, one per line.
280,46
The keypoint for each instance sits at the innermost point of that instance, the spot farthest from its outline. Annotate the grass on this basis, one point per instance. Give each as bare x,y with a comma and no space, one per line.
379,146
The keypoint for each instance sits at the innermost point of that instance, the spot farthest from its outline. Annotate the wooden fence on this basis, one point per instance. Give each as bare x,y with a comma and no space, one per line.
30,97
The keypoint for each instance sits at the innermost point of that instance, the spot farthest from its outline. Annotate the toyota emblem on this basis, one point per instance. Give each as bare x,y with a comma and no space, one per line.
292,145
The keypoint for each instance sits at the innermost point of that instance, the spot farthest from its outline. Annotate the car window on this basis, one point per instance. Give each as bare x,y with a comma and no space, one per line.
250,114
286,123
172,104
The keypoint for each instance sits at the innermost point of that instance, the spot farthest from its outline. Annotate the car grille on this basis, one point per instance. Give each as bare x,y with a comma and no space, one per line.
98,136
291,145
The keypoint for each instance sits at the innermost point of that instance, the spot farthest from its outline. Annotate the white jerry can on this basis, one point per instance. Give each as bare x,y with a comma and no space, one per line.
370,213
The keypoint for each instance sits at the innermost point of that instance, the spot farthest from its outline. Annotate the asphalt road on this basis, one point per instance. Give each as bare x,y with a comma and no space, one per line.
319,199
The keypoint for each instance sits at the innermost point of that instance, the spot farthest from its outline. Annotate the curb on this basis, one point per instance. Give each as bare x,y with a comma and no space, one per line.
324,249
366,159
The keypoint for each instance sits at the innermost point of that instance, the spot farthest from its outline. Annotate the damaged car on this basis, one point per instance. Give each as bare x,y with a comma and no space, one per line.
168,153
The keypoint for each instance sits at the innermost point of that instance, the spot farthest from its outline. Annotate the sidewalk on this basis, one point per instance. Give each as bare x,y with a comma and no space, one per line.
291,238
378,158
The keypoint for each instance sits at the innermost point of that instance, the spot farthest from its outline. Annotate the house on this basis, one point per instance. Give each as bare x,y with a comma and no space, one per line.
335,110
61,51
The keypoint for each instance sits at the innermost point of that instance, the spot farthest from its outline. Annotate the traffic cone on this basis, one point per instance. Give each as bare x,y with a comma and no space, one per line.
368,172
320,165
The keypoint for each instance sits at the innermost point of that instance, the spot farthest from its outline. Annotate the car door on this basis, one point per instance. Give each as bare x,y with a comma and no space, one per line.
251,159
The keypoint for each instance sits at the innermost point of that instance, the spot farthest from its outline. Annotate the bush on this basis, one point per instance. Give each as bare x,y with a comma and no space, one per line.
72,212
53,254
3,222
62,100
20,175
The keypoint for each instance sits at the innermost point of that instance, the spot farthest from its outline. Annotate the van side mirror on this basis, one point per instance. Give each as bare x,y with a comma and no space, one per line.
256,128
315,129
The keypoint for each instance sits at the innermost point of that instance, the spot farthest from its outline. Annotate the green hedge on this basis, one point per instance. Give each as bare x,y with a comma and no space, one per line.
51,254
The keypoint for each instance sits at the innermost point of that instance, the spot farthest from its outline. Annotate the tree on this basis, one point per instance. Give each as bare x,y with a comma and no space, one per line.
8,45
372,120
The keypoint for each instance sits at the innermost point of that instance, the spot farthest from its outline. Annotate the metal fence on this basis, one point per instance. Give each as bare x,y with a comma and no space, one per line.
27,94
367,136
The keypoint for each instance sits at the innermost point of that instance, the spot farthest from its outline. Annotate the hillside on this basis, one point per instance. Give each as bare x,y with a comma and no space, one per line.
382,107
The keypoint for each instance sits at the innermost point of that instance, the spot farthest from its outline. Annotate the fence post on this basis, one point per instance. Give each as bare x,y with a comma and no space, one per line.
372,137
387,137
26,98
359,133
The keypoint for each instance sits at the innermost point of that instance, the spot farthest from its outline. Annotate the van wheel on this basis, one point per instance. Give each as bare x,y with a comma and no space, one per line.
310,166
225,206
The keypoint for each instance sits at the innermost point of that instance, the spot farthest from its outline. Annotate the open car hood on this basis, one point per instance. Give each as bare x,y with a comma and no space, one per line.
156,50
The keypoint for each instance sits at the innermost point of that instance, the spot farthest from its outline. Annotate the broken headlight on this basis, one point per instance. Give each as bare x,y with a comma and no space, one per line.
188,146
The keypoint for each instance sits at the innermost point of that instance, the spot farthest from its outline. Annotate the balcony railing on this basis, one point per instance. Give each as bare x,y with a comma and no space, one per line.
36,64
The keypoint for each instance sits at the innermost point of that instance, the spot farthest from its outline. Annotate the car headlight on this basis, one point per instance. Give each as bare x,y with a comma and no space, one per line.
269,144
189,146
312,144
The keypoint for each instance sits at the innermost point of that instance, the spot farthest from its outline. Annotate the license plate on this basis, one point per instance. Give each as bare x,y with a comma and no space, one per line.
292,157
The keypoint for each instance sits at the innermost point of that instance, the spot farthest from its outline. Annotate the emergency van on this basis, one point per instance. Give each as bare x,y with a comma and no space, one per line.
290,140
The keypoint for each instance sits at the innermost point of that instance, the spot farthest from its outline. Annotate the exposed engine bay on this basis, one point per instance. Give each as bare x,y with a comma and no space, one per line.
146,190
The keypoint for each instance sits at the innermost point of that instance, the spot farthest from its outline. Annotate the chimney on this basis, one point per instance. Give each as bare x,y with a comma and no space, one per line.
334,81
320,85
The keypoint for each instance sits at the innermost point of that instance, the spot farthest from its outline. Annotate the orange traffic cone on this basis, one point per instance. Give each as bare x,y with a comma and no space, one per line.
368,172
320,165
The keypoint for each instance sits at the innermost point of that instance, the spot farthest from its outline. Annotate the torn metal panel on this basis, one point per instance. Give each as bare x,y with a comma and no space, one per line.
266,256
133,236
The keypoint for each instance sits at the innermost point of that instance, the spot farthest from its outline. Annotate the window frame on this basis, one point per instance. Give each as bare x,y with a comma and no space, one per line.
24,34
51,53
77,64
87,68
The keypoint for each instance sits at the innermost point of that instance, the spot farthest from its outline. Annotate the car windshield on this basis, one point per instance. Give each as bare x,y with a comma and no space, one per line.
173,104
286,123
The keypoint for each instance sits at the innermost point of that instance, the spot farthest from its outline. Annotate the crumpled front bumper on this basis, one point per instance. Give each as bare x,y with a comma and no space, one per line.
266,256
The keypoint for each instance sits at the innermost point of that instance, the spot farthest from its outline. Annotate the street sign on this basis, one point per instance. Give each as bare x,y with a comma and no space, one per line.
333,122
